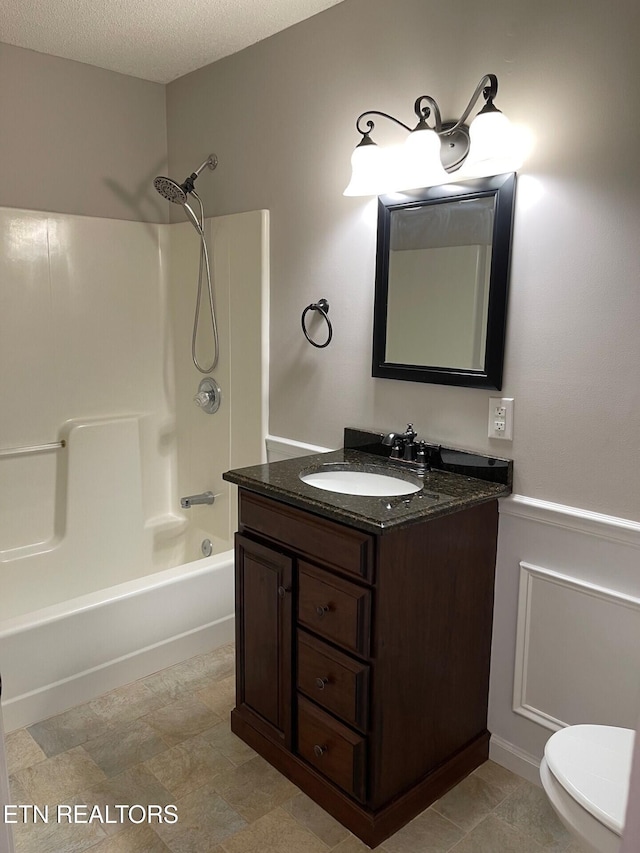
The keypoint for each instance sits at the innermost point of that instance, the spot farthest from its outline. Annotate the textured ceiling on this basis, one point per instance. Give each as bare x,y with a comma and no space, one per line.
157,40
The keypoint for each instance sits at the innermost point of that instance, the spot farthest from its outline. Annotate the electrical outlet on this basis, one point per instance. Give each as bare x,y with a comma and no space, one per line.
501,418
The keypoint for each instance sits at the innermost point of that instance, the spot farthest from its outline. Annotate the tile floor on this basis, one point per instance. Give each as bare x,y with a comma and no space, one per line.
165,740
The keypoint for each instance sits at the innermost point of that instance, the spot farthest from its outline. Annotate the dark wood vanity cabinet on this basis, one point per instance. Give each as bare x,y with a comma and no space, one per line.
363,659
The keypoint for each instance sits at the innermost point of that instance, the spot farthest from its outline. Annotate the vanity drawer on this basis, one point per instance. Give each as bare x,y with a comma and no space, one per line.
333,680
338,546
333,749
334,608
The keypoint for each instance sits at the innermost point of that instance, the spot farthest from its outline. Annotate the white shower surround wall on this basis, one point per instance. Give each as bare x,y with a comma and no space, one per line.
99,570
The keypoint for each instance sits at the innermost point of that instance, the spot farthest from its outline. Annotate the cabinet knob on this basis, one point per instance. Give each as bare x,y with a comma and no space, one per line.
321,683
319,750
321,609
283,590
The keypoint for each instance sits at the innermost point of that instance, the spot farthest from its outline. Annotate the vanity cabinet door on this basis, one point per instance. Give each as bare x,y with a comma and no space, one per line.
264,636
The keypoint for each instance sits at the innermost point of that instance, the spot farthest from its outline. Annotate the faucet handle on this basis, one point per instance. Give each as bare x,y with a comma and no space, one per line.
396,452
409,451
209,396
422,455
410,432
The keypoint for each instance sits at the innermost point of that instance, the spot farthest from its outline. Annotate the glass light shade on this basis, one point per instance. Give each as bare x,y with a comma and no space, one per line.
369,171
491,137
419,162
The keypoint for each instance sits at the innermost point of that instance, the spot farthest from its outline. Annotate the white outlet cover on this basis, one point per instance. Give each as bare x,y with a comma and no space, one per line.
501,418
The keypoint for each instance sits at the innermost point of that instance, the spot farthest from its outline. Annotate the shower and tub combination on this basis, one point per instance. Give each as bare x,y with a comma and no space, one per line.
111,477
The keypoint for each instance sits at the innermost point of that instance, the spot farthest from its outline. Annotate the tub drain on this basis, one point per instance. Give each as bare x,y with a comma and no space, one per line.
206,548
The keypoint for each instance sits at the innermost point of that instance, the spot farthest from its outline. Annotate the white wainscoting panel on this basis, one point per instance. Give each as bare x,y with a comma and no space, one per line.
566,631
569,635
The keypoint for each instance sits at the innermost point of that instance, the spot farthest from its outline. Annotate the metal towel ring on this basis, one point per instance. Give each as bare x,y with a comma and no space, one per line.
323,308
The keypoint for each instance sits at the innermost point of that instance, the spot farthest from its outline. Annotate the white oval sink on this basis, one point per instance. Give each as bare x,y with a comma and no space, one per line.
362,483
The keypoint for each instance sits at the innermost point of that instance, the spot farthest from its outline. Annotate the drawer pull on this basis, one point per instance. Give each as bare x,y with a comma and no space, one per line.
321,609
283,590
319,750
321,683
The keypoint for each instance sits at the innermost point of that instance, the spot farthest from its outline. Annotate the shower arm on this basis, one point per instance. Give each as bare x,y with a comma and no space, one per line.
211,162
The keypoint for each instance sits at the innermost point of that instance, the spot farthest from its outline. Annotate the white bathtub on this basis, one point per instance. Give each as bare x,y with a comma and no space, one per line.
116,591
68,653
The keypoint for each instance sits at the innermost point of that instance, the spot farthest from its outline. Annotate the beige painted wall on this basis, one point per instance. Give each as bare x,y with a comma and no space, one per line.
280,116
79,139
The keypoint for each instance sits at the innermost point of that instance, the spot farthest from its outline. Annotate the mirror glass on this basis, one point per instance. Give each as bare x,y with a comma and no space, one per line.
441,283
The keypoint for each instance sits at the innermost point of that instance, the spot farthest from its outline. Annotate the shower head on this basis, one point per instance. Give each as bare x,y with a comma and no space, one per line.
177,193
170,190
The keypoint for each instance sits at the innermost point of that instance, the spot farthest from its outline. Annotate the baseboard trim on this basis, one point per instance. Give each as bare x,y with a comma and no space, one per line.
51,699
513,758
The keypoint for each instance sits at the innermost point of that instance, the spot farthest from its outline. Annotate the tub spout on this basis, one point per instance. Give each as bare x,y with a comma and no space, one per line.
194,500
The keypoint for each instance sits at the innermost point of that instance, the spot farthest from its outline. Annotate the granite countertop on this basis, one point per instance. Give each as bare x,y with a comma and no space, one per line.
442,492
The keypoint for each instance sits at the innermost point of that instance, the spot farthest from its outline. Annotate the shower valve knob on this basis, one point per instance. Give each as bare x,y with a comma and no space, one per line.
208,396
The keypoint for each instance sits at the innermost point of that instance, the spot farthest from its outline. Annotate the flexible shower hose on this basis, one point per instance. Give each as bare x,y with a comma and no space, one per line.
204,264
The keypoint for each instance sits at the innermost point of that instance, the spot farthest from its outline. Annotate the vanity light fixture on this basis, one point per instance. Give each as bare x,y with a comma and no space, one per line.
439,153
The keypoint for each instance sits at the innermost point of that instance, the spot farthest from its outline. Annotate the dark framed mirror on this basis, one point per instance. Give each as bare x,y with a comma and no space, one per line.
442,281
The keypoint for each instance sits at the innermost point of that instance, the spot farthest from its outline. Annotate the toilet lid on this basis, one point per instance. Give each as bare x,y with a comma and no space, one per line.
593,763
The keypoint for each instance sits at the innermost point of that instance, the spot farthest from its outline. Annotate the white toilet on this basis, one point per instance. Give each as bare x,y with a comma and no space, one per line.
585,773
